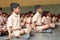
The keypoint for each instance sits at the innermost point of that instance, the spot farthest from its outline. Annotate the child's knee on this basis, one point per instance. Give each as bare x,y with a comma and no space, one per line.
22,31
27,30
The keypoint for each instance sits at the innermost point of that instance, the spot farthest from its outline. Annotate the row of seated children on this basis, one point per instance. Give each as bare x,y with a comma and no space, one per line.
18,24
3,20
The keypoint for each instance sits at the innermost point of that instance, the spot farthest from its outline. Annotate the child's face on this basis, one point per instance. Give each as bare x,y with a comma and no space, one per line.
17,10
40,10
49,14
31,15
4,15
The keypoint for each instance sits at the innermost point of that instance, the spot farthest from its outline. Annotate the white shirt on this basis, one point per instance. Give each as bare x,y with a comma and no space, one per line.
37,18
29,20
46,20
4,19
13,21
1,20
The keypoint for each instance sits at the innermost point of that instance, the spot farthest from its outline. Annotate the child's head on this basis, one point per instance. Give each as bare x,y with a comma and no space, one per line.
0,11
31,13
26,14
38,8
15,7
53,15
46,13
22,15
4,14
49,14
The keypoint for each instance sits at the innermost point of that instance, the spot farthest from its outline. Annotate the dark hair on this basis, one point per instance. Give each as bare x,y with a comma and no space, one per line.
4,13
45,13
37,7
0,8
13,5
26,13
53,15
22,14
30,12
34,13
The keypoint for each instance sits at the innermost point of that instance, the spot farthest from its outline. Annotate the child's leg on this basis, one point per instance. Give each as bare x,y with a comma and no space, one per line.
40,28
9,33
4,29
1,32
45,26
0,28
27,30
22,31
17,33
52,25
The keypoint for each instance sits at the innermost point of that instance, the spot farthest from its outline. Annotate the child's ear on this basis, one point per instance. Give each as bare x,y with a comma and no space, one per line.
14,9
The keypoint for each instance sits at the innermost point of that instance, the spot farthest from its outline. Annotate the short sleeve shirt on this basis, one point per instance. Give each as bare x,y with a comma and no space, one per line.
13,21
37,18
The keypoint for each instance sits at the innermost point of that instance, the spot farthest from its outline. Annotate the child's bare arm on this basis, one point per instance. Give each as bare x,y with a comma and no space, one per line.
34,24
9,31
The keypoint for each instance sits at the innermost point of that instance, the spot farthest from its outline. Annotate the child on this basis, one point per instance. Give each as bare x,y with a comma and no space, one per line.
1,21
29,23
2,30
57,20
4,14
37,24
13,22
29,20
22,20
46,19
54,18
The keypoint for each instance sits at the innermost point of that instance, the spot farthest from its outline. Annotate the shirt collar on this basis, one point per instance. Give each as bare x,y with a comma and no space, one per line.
38,13
14,14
